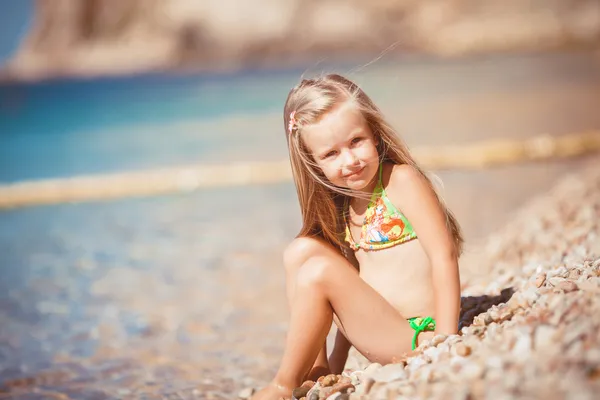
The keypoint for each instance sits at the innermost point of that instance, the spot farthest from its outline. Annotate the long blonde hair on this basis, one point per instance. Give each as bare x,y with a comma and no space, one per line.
322,203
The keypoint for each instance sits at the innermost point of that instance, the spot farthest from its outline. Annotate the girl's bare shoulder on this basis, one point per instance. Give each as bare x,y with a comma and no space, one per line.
397,176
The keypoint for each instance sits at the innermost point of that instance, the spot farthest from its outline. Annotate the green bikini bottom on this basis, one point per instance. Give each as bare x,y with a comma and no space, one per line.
420,324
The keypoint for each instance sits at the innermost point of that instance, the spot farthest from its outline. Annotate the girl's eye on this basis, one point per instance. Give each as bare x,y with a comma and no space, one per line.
356,140
330,154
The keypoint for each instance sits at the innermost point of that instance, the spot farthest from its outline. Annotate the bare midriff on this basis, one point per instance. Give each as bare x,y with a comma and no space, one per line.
402,275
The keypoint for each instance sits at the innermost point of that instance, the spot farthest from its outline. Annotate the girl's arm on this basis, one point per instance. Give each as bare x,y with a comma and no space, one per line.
419,203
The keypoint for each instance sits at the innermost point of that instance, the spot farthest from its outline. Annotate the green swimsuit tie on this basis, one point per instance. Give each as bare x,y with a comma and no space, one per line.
420,325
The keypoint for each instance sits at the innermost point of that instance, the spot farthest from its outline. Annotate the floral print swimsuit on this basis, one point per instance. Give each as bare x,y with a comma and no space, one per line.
384,225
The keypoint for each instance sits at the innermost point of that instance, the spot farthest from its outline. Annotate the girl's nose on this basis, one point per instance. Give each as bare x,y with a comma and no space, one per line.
349,158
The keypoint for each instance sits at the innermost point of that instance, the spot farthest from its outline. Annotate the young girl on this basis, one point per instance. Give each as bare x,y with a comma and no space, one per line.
378,249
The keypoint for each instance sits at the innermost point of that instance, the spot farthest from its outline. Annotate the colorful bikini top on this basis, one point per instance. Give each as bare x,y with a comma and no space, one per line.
384,225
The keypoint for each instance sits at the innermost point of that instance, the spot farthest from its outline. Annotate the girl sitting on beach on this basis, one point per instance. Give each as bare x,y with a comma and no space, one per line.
378,250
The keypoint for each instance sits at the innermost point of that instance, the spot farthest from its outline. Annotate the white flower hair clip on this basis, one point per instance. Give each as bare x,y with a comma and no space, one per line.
292,123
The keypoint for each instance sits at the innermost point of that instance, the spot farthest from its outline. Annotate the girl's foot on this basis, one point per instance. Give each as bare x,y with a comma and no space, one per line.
273,392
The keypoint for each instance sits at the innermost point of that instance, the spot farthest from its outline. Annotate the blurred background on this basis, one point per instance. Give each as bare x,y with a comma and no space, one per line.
176,289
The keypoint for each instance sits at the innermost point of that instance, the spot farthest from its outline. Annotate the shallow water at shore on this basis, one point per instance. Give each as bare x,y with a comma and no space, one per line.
183,295
145,285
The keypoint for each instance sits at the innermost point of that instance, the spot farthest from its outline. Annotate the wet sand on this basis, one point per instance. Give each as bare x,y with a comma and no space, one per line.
182,296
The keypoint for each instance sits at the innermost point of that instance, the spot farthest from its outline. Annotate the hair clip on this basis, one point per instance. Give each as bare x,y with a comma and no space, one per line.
292,122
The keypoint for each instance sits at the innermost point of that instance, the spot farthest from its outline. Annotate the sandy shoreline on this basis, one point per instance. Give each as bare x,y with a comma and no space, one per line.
491,153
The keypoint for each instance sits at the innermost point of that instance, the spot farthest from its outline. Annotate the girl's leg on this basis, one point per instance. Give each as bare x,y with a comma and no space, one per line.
326,282
309,324
294,257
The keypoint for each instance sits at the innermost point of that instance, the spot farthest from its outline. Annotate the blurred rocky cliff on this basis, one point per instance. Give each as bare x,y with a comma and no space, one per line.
91,37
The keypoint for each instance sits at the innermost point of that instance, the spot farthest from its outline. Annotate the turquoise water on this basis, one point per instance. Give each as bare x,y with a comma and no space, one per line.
72,127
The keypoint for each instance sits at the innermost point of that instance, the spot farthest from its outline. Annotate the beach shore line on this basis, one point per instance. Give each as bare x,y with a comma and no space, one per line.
189,178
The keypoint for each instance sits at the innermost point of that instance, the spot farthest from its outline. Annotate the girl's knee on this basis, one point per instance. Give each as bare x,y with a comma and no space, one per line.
315,272
299,251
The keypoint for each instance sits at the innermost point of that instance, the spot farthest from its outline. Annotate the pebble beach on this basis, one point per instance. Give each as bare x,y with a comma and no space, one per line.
529,329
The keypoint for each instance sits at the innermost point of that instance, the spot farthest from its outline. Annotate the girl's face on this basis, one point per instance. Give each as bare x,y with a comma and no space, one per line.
344,148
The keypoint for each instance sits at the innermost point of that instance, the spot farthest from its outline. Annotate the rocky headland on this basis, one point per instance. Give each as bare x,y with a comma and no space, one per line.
99,37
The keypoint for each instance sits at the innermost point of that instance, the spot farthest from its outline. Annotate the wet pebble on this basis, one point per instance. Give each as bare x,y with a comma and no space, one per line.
246,393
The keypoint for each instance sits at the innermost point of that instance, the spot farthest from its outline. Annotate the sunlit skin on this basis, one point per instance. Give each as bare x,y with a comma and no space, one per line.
370,306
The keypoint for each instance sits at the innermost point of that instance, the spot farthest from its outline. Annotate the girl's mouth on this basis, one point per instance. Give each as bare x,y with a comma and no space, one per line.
355,174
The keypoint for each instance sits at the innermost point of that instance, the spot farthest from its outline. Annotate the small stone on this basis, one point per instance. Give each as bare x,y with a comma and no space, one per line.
433,353
495,362
415,363
471,371
341,387
437,339
505,314
461,349
593,356
367,385
544,336
555,280
246,393
356,378
574,274
324,392
313,393
493,329
422,374
372,368
328,380
344,379
487,319
567,286
588,286
300,392
389,373
529,296
444,356
494,314
513,304
474,330
478,321
522,348
540,279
